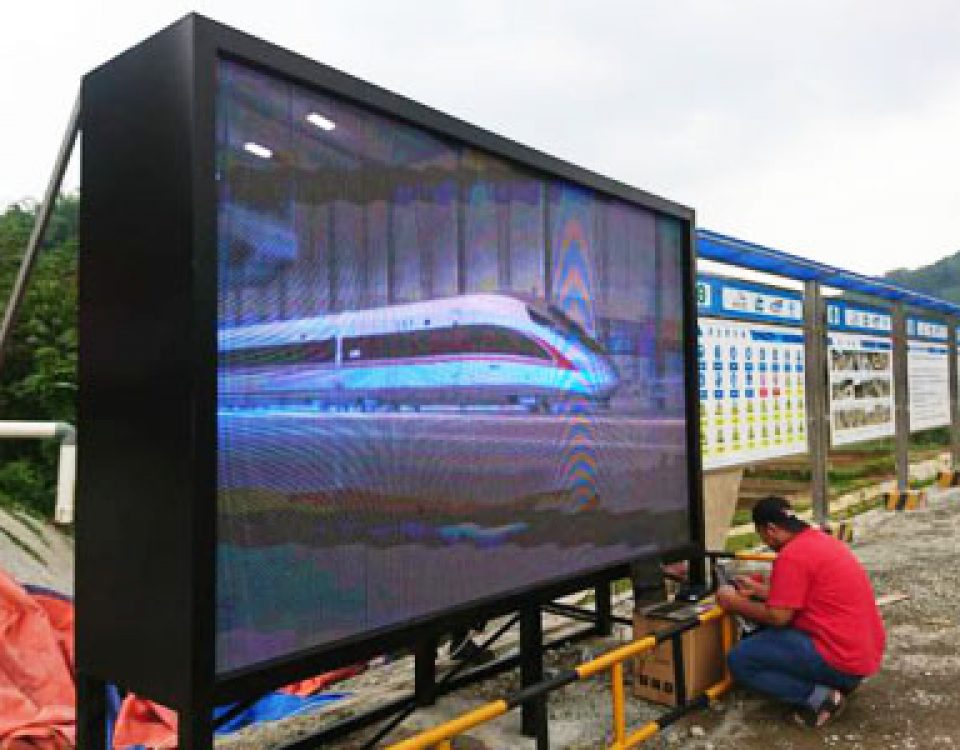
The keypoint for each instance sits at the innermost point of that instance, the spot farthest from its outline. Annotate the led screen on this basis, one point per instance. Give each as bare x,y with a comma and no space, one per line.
442,377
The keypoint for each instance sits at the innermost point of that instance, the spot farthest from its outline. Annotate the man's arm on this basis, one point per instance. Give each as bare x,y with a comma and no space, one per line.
736,603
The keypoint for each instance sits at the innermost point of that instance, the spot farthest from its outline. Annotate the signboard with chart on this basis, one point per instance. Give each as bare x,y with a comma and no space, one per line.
751,372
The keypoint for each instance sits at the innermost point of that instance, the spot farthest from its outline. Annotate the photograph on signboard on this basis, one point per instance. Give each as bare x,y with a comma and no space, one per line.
861,387
442,377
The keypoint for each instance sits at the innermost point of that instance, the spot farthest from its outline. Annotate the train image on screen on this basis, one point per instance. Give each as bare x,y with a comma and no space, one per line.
471,350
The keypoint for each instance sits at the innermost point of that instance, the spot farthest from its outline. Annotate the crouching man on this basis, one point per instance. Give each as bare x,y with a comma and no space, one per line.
821,630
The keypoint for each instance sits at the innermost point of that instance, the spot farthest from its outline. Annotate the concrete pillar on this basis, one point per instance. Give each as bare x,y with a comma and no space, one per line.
721,488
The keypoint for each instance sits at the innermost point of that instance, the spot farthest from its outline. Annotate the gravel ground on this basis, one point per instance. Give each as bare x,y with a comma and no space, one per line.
912,704
35,551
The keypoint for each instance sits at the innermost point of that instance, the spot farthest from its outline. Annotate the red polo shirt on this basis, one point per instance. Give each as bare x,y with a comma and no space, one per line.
819,578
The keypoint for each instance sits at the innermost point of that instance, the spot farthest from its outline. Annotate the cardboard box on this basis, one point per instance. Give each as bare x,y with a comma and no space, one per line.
653,674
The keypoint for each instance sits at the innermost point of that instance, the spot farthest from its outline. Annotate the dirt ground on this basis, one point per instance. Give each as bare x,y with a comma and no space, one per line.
912,704
35,551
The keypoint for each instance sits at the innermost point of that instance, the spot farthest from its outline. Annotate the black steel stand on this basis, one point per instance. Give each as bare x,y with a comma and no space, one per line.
534,711
603,594
679,670
91,712
425,672
195,729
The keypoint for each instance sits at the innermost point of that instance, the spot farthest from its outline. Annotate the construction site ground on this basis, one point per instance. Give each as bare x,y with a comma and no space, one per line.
912,704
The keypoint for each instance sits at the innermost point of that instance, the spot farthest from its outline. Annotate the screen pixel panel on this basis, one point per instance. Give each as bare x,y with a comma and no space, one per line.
442,376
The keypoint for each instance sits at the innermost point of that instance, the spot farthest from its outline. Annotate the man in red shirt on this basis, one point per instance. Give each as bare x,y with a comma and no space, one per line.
823,631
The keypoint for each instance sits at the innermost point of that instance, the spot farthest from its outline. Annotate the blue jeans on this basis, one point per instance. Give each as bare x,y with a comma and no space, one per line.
783,663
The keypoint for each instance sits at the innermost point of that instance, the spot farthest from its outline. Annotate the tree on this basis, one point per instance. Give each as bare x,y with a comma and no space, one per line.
38,380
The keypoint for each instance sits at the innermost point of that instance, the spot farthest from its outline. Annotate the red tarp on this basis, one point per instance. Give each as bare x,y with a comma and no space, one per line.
36,669
37,689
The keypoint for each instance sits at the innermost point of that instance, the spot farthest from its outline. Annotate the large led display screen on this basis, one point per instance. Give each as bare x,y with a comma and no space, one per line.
442,377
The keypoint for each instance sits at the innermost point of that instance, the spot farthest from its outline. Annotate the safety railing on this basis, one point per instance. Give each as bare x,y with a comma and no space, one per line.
441,736
67,466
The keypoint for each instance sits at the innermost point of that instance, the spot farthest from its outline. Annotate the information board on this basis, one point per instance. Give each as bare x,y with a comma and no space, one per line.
928,374
843,316
752,400
730,298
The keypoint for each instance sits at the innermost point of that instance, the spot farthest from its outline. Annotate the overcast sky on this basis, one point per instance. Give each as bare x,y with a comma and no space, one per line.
827,128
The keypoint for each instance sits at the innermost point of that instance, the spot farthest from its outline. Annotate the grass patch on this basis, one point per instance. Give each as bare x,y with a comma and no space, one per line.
855,510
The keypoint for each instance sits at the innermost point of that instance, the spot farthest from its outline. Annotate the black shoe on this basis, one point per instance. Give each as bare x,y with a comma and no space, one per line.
832,706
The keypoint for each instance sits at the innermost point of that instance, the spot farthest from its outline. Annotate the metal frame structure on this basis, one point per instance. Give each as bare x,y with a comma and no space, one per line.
146,520
729,250
441,737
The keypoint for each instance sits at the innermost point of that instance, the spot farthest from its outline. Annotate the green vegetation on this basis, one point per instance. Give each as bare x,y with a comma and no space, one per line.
940,279
38,378
742,542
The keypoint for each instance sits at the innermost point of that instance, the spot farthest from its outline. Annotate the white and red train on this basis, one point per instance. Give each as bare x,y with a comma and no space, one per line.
468,350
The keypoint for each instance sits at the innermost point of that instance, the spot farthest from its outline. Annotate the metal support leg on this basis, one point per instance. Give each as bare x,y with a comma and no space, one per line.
817,403
954,396
91,712
603,594
901,397
425,672
195,728
679,670
44,212
531,672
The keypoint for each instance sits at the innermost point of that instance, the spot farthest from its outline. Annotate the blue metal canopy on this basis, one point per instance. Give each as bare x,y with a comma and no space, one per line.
724,249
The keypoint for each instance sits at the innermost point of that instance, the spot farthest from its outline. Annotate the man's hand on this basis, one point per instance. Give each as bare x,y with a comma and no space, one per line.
736,603
729,598
750,587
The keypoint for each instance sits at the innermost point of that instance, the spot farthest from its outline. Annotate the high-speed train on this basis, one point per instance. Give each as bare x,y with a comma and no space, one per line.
469,350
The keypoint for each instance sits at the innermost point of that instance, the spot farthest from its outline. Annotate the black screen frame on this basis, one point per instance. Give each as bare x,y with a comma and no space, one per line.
190,50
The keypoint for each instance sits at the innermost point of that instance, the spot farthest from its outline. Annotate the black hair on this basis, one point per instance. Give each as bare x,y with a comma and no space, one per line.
776,510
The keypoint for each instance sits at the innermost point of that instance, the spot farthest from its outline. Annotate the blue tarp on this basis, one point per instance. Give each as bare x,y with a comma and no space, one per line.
271,707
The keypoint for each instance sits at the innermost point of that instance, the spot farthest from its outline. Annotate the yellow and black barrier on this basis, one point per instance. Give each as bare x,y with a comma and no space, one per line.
747,556
905,500
440,737
947,479
842,530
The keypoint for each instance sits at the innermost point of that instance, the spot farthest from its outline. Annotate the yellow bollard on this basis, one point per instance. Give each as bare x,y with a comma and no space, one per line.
619,713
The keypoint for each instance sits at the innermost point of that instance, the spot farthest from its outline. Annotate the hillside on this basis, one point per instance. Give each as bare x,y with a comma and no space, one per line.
940,279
